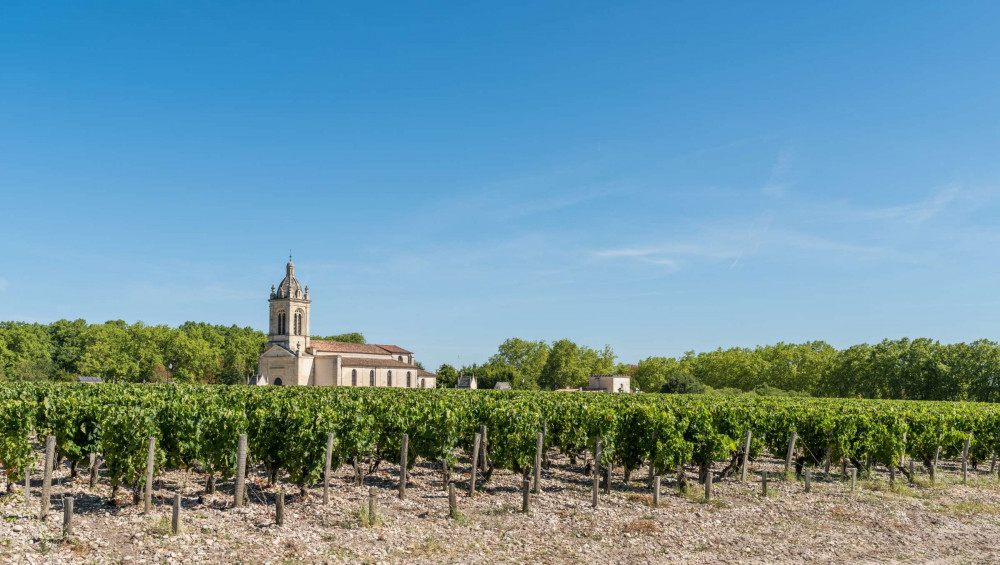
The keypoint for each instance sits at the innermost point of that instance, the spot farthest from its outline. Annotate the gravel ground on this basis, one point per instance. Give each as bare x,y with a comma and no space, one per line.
948,523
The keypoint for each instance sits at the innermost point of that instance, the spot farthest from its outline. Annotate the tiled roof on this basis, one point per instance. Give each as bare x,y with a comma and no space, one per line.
424,373
345,347
380,363
394,349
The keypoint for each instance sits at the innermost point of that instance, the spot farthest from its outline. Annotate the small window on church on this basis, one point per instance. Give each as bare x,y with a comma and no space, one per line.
408,382
354,377
389,378
277,381
400,357
371,378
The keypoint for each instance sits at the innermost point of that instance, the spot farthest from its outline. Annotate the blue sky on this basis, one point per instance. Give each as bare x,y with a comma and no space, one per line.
654,176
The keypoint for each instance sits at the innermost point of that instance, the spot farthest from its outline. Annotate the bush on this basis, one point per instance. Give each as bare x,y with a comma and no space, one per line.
682,383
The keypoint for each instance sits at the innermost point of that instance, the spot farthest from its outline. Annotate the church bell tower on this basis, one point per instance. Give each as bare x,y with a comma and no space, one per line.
289,325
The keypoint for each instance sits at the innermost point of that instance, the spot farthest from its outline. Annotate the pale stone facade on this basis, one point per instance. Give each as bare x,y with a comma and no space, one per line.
291,357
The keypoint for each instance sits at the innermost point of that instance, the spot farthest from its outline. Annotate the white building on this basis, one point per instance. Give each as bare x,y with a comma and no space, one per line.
610,383
292,358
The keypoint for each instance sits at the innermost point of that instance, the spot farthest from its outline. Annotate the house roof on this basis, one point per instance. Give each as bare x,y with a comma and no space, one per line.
379,363
394,349
424,373
89,380
502,385
465,382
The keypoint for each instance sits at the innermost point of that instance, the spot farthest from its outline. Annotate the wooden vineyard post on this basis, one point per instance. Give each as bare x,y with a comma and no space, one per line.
279,508
788,454
763,483
50,457
371,505
652,471
525,495
937,453
93,470
475,463
656,491
597,472
326,468
965,460
539,447
403,454
708,486
147,499
452,501
607,479
241,470
27,488
913,476
826,466
854,477
746,457
993,463
175,518
808,479
67,516
483,448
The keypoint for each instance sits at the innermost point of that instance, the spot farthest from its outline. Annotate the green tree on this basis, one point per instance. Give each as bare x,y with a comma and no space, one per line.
447,376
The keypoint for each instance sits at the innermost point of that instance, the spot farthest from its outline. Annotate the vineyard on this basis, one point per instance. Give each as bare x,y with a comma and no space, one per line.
287,430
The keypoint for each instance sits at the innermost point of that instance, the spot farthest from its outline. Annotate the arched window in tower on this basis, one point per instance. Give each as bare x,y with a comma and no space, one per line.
400,357
371,378
388,378
282,322
298,322
409,383
354,377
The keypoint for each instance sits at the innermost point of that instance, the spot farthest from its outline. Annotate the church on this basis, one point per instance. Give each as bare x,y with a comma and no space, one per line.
291,357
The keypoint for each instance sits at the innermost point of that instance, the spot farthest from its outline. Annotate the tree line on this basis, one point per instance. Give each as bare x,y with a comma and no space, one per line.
915,369
193,352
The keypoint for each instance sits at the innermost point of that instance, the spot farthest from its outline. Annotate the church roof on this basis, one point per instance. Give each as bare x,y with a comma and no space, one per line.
380,363
347,347
394,349
424,373
289,286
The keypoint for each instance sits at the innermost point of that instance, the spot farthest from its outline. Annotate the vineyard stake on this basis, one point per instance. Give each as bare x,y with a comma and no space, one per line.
746,456
483,449
913,475
175,518
27,488
326,468
607,479
937,453
808,479
475,463
538,462
67,516
652,471
93,470
403,454
371,505
147,501
993,463
241,470
597,471
965,460
826,466
525,495
656,491
854,477
452,501
50,456
791,450
763,483
279,508
708,486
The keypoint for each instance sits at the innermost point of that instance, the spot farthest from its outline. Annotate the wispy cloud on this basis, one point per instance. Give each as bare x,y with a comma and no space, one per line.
781,174
916,212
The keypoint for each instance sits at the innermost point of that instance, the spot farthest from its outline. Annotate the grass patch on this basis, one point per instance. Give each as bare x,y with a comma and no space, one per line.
160,527
971,508
641,526
366,518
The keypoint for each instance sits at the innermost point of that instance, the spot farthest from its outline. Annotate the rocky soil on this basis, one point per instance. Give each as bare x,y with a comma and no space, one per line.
946,523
